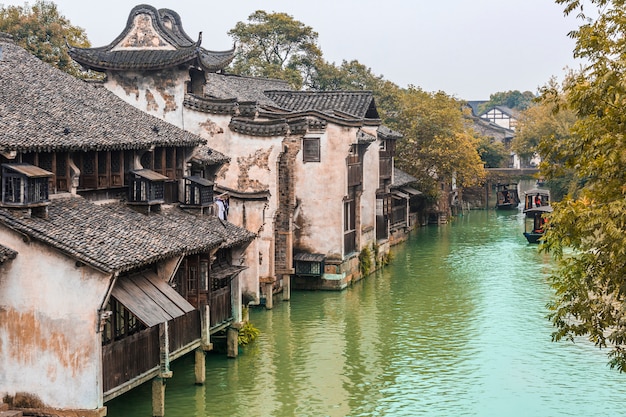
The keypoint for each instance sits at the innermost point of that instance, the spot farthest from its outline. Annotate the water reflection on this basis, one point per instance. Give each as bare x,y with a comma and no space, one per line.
455,326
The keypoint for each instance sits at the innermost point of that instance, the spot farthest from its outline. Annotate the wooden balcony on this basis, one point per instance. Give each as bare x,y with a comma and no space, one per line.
137,354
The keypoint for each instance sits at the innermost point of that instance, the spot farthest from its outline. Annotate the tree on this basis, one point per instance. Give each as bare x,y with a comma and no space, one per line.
350,75
512,99
590,282
41,30
492,153
276,45
438,144
549,120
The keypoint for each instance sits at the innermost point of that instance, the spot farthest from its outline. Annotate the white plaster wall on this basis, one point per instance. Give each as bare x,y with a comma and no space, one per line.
253,167
371,167
160,95
249,215
48,322
320,189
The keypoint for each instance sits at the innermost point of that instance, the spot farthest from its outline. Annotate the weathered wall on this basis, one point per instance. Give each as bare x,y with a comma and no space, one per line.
252,168
320,190
48,322
160,94
371,167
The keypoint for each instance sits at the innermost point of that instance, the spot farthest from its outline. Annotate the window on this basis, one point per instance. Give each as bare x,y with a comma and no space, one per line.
146,186
120,324
198,191
311,150
309,264
24,184
101,169
192,279
349,226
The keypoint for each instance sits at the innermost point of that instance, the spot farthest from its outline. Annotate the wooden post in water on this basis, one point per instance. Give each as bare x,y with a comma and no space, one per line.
158,397
232,342
158,383
200,367
269,295
286,287
205,331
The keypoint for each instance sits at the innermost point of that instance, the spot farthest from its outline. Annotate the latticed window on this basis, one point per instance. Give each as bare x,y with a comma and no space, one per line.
198,191
309,264
146,186
192,280
120,323
311,150
146,160
24,184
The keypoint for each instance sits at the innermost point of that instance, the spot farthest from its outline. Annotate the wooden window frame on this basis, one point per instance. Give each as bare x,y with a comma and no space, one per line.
311,149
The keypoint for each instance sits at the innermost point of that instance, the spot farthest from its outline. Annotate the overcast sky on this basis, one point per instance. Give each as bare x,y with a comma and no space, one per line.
468,49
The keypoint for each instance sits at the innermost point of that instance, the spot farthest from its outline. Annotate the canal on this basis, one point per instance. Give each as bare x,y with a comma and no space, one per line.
455,326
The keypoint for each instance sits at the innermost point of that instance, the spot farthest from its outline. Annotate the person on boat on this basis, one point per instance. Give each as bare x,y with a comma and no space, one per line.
540,222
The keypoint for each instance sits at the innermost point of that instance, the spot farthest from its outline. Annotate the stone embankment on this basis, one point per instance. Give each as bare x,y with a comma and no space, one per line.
5,412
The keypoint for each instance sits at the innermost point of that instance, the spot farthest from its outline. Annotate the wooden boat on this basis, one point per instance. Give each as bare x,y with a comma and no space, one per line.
507,197
534,225
536,197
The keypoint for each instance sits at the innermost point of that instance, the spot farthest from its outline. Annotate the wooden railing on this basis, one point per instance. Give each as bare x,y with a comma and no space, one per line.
398,214
125,359
136,354
184,329
220,305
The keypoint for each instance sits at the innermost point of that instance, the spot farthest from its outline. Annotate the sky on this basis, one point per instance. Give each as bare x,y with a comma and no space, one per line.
469,49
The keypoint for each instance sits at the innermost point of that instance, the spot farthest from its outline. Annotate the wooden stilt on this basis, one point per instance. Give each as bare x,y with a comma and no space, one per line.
200,367
158,397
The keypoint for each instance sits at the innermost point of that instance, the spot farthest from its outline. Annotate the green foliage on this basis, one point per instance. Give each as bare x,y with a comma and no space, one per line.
276,45
41,30
511,99
438,144
247,334
365,261
492,153
548,122
350,75
386,259
587,233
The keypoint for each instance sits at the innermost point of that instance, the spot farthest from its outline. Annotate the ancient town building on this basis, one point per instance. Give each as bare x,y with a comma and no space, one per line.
113,258
309,172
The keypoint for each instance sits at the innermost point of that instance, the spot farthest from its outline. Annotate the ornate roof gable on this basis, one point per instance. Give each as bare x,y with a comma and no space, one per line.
43,109
152,40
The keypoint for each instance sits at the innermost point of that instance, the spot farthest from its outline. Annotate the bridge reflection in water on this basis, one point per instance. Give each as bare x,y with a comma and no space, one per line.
455,326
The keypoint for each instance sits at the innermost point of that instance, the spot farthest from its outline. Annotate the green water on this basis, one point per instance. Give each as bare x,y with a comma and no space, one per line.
455,326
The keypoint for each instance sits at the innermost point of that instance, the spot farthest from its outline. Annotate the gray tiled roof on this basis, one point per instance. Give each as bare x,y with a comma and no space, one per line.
359,104
474,105
185,49
6,254
116,238
44,109
491,130
226,86
205,155
401,178
232,235
385,133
